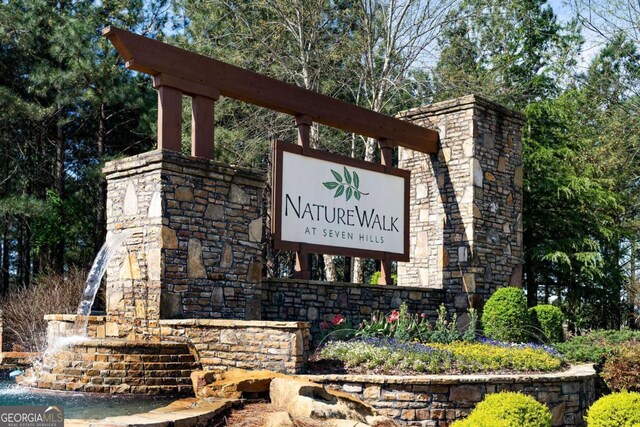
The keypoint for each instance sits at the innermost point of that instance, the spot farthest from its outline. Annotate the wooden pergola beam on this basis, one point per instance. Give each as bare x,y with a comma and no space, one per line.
155,58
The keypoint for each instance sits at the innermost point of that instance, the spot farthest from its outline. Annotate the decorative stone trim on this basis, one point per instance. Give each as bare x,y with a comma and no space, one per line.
438,400
234,324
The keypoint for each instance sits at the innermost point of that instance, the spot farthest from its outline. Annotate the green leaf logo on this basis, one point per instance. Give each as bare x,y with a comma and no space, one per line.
347,184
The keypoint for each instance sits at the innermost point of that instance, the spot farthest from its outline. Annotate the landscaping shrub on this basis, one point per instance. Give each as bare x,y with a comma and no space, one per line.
621,371
507,409
595,346
376,276
615,410
390,355
24,309
505,316
546,322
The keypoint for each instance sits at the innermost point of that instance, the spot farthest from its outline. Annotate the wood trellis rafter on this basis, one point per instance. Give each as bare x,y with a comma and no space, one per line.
177,71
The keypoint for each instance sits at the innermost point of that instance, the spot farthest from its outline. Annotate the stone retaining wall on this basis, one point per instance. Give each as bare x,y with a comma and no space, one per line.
218,343
223,344
438,400
316,301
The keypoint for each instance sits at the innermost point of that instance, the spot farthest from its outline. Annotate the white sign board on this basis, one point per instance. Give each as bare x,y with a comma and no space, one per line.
327,203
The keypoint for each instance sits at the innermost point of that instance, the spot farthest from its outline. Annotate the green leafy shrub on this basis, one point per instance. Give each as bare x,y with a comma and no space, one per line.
505,316
615,410
595,346
621,371
376,276
546,321
507,409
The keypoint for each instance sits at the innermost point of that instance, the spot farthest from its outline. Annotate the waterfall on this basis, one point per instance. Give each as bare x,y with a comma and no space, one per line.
99,267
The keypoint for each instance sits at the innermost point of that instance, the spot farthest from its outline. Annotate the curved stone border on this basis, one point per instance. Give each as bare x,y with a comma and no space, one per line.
187,412
441,399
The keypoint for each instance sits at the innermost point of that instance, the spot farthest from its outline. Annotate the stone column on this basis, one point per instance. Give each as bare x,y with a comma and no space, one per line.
195,245
466,201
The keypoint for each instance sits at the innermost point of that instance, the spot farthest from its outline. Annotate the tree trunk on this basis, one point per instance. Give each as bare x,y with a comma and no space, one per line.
356,270
329,268
4,258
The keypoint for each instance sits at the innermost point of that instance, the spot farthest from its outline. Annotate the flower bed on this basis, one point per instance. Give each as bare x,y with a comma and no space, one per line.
402,343
392,356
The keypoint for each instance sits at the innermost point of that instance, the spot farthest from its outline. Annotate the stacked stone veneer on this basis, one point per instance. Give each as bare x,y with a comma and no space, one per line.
215,343
195,244
224,344
316,301
118,366
466,201
439,400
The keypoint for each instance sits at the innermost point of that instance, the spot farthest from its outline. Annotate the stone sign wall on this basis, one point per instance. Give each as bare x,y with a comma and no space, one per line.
316,302
195,239
466,202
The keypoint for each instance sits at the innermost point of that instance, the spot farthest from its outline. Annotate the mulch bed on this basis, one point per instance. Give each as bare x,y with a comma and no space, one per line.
256,414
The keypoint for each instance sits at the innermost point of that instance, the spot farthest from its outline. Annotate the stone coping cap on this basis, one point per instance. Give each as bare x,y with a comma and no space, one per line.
353,285
461,103
120,343
168,156
576,372
72,318
184,412
231,323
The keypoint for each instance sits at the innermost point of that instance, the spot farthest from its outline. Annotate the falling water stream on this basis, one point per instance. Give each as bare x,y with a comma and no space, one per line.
94,279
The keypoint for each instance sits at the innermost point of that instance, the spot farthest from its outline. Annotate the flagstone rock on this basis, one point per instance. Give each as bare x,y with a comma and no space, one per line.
302,398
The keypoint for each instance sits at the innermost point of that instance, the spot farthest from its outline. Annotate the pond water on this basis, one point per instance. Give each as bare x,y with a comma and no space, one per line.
78,405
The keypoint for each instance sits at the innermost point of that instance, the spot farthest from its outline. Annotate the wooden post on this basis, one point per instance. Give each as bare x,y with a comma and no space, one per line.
202,127
303,123
386,152
169,118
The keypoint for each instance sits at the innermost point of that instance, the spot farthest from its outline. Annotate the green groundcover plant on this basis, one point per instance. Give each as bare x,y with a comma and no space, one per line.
389,355
507,409
595,346
615,410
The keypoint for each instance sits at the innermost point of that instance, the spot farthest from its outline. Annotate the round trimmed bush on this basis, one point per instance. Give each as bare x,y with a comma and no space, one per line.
547,321
505,316
615,410
507,409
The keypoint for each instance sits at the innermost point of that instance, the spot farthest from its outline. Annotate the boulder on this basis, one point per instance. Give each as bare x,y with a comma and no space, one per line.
303,398
278,419
231,384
